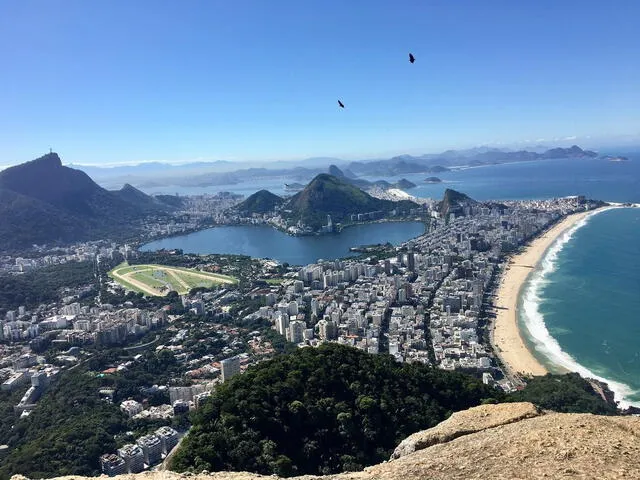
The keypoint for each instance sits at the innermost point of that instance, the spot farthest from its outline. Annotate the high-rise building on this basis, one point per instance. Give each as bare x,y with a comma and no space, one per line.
296,331
282,324
112,465
133,458
168,438
230,367
151,446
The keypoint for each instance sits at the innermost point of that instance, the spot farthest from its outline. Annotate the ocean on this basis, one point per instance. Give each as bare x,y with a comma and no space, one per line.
581,308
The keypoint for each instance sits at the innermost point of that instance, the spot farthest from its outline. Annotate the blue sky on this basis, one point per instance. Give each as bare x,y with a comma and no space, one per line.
131,81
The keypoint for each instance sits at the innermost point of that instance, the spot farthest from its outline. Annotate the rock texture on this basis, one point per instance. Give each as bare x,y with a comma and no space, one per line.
508,441
465,423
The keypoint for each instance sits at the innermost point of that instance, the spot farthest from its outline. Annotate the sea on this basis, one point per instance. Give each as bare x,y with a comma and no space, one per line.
580,309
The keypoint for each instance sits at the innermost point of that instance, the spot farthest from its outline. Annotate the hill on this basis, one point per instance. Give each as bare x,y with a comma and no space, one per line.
502,442
330,195
44,201
262,201
454,202
321,410
133,196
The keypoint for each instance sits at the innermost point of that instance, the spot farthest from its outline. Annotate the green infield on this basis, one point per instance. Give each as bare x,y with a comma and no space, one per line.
159,280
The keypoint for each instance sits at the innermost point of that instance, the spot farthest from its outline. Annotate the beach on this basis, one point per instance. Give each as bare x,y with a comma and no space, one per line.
506,336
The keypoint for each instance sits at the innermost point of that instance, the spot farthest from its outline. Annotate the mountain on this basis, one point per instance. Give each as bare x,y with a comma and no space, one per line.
146,202
404,184
436,163
262,201
327,409
330,195
42,201
572,152
454,202
497,441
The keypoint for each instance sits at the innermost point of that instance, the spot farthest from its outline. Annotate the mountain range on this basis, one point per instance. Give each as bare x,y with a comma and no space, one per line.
42,201
203,174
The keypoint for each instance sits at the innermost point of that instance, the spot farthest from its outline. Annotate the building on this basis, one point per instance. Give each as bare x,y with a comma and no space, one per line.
133,458
168,438
230,367
131,407
112,465
296,331
15,381
151,446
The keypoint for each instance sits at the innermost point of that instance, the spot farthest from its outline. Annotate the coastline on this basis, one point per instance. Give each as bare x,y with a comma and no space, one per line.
506,335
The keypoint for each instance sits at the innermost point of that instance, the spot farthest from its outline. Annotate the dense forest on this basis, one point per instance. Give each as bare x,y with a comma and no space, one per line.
321,411
43,285
569,393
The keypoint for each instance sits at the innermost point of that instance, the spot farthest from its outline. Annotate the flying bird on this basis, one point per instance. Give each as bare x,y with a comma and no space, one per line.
341,104
412,58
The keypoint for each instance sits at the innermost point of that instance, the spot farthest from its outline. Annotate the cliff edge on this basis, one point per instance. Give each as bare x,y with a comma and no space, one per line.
506,441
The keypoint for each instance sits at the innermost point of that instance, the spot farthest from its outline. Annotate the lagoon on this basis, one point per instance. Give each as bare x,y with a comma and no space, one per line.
266,242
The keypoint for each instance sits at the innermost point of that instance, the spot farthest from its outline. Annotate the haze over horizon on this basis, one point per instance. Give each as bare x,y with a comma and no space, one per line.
123,83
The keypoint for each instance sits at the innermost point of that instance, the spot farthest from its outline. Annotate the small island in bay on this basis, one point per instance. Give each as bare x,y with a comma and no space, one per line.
615,158
432,180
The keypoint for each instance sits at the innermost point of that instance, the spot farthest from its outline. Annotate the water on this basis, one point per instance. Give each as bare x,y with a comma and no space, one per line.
582,307
267,242
613,181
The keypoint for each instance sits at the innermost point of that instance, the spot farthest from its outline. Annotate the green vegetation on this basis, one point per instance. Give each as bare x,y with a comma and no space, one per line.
568,393
262,201
72,426
329,195
44,285
320,411
42,201
151,279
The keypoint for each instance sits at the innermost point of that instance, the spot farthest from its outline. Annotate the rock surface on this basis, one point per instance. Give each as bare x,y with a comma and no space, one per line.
508,441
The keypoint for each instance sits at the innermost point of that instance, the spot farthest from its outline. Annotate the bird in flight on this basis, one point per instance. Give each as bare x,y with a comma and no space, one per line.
341,104
412,58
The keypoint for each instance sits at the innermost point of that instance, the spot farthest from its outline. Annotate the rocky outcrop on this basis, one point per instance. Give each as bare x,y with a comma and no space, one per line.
465,423
508,441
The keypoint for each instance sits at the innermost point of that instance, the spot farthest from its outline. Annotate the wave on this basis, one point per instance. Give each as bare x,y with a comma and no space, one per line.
545,344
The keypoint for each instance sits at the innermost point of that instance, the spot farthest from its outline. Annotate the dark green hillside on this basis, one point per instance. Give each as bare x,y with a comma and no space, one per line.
322,410
329,195
132,195
42,201
262,201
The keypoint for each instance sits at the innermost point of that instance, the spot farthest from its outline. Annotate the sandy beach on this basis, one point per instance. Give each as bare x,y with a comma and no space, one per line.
507,341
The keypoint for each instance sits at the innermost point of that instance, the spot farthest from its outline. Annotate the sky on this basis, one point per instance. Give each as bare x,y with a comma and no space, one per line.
177,81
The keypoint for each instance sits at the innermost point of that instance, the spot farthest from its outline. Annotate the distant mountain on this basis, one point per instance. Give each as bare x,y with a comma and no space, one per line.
260,202
442,162
43,201
432,180
146,202
404,184
572,152
454,202
335,196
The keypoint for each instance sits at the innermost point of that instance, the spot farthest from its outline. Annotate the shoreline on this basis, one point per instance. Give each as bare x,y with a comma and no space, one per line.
506,334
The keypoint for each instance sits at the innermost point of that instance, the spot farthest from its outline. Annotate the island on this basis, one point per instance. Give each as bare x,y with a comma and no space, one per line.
432,180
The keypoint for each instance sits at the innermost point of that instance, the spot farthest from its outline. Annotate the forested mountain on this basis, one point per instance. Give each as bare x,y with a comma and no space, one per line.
262,201
330,195
42,201
322,410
